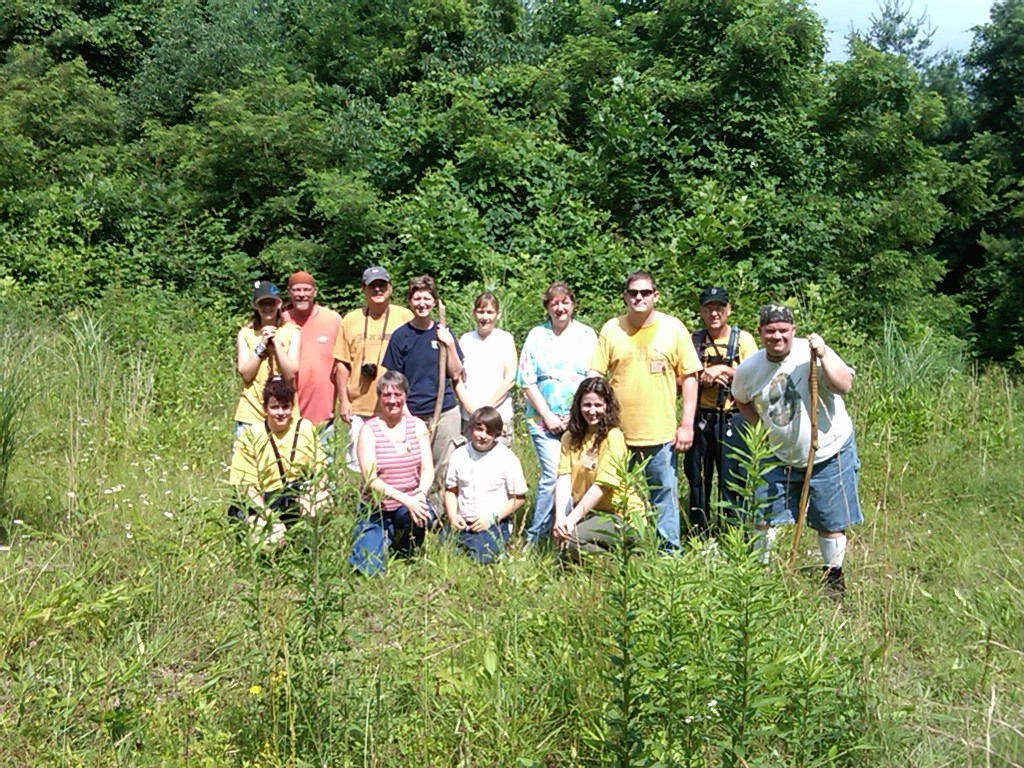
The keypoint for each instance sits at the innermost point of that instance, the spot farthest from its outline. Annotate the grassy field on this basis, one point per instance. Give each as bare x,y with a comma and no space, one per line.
136,631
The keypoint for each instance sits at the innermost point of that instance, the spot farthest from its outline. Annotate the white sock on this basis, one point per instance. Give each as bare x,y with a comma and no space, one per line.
833,549
763,540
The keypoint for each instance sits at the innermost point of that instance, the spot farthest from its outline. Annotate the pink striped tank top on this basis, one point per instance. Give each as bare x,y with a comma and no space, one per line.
398,464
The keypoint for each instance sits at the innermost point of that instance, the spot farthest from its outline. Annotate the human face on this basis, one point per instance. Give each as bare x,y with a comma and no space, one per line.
268,309
422,304
593,408
279,415
485,315
392,400
559,310
777,339
640,297
715,314
302,296
377,294
482,439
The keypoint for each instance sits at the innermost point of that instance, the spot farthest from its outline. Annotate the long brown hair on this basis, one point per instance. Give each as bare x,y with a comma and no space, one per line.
577,428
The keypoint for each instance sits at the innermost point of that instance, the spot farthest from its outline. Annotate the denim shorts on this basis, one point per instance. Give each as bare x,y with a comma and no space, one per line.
832,502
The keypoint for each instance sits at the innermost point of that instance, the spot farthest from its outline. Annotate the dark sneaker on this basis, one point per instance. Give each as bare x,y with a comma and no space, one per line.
832,580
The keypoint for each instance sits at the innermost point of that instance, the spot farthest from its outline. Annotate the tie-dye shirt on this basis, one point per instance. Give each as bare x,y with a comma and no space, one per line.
555,365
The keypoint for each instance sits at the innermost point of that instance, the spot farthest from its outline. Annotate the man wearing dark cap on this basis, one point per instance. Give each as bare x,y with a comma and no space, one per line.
318,326
359,350
716,429
773,385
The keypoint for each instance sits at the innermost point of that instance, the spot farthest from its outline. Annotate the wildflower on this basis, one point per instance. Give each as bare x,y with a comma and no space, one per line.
255,690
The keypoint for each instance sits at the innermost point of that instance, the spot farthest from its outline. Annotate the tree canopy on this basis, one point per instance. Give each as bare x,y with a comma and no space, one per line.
194,145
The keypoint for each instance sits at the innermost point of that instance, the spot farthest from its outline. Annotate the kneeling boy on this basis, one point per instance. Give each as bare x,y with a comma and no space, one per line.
483,487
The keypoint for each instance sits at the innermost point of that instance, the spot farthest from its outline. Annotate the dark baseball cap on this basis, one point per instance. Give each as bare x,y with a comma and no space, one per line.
264,289
714,293
370,274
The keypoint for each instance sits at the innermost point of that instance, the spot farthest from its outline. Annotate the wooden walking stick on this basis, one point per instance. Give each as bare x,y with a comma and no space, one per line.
812,385
442,373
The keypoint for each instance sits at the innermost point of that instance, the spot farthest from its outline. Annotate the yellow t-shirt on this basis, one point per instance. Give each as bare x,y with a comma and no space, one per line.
585,466
250,405
363,340
745,347
644,365
254,462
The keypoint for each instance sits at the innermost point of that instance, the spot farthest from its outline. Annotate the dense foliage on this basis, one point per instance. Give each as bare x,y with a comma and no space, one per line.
193,145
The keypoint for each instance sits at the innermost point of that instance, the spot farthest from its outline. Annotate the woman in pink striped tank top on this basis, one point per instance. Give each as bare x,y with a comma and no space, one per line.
397,466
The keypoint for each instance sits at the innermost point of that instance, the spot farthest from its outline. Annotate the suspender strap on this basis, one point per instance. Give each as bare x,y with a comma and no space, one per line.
277,453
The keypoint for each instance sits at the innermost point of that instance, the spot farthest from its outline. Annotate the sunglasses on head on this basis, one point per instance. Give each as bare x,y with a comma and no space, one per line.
642,292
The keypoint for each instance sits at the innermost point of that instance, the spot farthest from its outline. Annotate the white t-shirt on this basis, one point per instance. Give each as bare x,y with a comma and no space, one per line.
484,481
484,368
781,395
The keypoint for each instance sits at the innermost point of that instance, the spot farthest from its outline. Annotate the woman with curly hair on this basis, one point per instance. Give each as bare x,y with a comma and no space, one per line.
591,465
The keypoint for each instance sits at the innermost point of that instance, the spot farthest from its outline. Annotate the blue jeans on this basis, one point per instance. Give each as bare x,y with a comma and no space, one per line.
832,501
547,447
483,547
660,473
378,529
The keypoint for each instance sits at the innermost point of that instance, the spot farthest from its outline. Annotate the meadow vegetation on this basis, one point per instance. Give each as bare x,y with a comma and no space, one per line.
138,631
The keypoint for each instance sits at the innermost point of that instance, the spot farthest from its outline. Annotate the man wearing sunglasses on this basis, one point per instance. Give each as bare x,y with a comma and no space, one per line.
649,357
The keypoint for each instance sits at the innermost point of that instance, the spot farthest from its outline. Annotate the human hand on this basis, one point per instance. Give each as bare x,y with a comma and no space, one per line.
345,411
419,509
457,522
562,528
444,335
482,523
683,438
267,333
818,346
555,424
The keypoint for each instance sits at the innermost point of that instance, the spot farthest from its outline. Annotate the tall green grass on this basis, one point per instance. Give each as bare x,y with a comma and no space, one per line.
137,631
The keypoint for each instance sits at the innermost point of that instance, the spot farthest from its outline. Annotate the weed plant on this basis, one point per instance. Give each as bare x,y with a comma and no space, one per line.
136,630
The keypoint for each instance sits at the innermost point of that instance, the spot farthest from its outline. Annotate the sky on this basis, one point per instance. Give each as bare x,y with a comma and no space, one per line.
952,20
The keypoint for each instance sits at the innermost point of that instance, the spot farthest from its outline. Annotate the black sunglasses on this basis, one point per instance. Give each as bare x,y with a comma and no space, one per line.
642,292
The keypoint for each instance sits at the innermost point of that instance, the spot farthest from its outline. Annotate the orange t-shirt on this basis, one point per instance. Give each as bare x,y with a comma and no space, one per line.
314,383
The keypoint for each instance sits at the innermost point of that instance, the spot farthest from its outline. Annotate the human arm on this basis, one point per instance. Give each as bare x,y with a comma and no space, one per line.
579,512
287,356
684,432
719,373
748,411
552,422
483,522
453,359
563,503
247,360
508,373
342,373
451,508
838,375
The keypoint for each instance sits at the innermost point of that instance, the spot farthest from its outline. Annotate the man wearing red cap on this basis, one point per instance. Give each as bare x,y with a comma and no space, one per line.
315,383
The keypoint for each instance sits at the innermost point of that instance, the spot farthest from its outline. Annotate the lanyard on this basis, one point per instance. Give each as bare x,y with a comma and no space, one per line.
383,331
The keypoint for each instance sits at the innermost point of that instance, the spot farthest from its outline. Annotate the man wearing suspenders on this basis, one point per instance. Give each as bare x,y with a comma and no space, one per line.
716,429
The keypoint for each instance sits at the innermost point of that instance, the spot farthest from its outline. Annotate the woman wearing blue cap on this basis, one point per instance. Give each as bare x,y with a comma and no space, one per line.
266,346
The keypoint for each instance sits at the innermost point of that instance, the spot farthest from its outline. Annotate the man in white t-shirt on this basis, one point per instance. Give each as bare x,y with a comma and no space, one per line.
772,386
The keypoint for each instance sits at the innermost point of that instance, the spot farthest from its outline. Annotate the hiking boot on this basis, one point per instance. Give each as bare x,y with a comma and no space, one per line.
832,580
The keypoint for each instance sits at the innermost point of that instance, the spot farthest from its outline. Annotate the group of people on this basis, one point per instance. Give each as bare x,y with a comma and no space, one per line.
430,419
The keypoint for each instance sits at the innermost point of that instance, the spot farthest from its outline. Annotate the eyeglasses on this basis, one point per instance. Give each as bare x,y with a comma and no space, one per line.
643,293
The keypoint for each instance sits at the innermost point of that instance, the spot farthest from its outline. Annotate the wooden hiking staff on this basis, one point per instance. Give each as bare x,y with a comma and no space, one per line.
812,385
442,373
